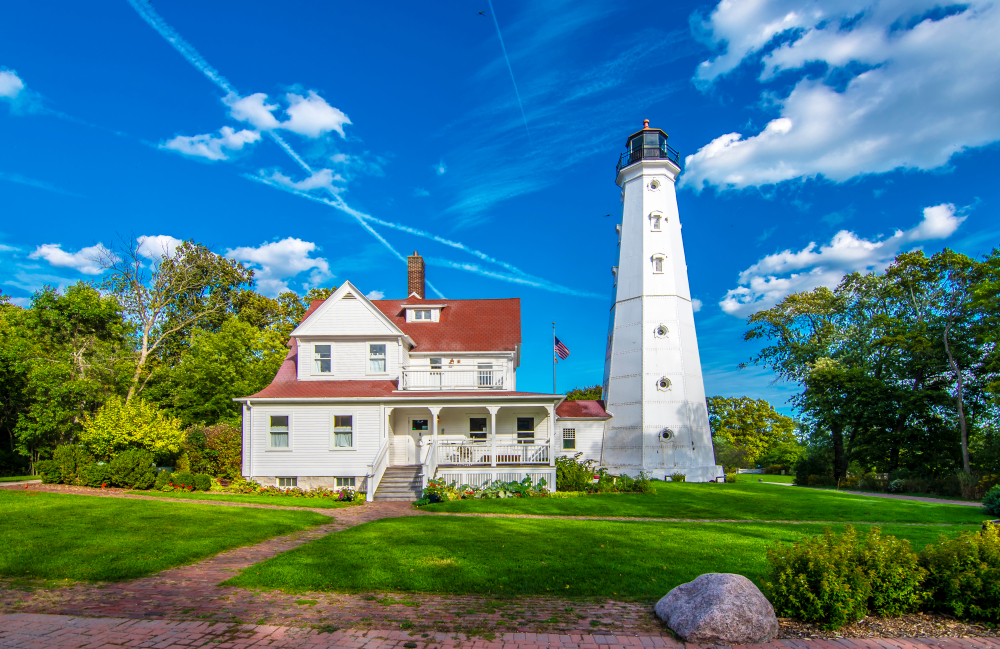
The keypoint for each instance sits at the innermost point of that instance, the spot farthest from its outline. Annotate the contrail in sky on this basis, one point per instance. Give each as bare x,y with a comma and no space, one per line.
511,70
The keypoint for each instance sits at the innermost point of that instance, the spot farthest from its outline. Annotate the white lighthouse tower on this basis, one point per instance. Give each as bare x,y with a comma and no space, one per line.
652,372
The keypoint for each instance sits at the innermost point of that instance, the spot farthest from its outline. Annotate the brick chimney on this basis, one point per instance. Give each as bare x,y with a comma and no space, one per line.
415,275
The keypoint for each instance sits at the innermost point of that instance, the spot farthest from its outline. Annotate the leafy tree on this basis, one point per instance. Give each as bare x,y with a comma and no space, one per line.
751,426
586,393
121,425
168,295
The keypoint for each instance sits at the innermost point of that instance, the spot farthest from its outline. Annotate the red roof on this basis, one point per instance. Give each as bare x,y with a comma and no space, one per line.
582,409
465,325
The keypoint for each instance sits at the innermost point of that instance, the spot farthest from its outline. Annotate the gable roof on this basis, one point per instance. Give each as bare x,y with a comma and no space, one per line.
582,410
464,325
314,314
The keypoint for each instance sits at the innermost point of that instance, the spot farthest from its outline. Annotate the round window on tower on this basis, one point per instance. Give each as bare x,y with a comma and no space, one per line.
663,384
661,331
666,435
654,185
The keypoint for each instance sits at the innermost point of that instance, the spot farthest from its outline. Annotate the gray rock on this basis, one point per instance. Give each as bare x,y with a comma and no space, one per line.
719,608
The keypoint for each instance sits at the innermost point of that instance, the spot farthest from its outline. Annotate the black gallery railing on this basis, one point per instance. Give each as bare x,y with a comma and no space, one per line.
663,151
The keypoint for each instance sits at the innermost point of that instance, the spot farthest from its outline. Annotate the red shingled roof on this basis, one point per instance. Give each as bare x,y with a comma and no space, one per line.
580,409
465,325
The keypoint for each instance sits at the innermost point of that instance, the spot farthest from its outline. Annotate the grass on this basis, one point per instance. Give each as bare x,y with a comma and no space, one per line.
82,538
19,478
284,501
754,477
746,501
510,557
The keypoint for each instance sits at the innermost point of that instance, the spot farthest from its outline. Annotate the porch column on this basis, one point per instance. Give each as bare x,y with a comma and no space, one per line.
552,434
434,424
493,434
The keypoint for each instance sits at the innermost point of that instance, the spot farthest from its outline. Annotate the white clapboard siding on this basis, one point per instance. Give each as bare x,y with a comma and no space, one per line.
349,317
311,442
589,436
350,359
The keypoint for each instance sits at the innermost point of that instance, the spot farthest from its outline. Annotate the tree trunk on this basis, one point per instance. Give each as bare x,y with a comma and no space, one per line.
963,426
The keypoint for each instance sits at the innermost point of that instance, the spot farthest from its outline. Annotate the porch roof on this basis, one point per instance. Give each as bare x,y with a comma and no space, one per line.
582,410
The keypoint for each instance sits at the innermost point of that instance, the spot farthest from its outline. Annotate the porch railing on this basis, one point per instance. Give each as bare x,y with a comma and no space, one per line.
376,470
430,463
482,454
483,377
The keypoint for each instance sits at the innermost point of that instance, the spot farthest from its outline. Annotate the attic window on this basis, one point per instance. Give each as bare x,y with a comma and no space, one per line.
422,314
348,296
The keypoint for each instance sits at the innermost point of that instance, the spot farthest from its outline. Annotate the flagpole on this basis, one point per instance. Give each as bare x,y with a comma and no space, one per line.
553,358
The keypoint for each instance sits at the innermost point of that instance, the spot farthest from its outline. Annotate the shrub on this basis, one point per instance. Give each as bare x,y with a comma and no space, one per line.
964,576
216,450
163,479
96,475
896,486
71,461
677,477
991,501
775,469
133,470
731,477
49,470
120,426
572,474
835,580
202,482
182,480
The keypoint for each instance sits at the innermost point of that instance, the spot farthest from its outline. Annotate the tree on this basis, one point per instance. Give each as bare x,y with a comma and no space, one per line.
751,426
167,295
586,393
120,426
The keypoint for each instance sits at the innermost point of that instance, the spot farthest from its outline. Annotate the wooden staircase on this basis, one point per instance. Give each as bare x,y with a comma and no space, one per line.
400,483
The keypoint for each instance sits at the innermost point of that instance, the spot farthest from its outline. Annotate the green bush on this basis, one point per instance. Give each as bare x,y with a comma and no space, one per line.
182,479
163,478
991,501
677,477
71,461
964,578
133,470
835,580
118,426
572,474
96,475
202,482
49,470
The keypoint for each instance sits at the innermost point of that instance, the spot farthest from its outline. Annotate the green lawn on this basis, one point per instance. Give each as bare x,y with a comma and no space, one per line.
284,501
739,501
507,557
754,477
59,536
19,478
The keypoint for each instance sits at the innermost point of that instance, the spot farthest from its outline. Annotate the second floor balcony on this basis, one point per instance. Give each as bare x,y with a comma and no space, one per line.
483,376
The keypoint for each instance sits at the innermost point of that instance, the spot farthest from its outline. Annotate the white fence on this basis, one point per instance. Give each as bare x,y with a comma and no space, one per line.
482,454
484,377
482,477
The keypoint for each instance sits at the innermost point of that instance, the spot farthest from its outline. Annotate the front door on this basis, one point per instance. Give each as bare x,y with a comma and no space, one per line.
420,429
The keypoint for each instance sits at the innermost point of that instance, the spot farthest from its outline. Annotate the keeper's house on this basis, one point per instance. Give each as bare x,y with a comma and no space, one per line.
382,395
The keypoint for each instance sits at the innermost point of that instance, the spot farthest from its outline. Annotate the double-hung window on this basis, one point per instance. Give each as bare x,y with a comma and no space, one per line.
376,358
323,359
343,431
477,428
422,314
278,431
525,430
569,439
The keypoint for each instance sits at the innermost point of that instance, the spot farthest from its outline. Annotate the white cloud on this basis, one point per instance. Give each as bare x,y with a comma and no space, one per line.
322,179
420,192
6,248
696,304
10,84
211,147
158,246
85,260
277,262
441,168
772,278
375,295
922,87
23,302
310,116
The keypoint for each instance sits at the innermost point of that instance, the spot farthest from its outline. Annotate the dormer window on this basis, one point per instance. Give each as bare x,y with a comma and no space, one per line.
323,359
422,314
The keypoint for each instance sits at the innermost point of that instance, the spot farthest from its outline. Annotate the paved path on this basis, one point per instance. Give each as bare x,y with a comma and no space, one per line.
27,631
936,501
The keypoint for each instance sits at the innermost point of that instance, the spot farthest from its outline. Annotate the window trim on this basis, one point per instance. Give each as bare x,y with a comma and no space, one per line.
572,438
353,479
368,358
656,221
522,436
662,258
291,438
315,364
332,442
485,432
294,484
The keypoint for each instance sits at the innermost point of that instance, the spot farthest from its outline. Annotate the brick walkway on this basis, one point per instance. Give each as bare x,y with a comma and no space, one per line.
25,631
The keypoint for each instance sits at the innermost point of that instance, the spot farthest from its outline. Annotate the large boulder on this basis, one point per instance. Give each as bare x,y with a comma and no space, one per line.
719,608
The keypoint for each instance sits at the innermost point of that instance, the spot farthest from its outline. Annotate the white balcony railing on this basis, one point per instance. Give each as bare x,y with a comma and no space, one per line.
483,377
481,453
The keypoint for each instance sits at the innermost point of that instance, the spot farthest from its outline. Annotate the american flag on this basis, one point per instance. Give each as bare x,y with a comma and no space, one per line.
562,351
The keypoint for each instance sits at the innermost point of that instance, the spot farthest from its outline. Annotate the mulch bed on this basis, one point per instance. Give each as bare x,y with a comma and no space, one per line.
920,625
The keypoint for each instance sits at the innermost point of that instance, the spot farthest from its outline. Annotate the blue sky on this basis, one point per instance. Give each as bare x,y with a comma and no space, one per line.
318,142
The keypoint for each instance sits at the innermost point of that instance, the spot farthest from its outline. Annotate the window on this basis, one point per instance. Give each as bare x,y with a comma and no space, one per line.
484,372
419,424
477,427
569,438
663,384
345,482
376,358
422,314
279,431
657,263
343,431
654,222
288,482
436,363
654,185
525,430
323,359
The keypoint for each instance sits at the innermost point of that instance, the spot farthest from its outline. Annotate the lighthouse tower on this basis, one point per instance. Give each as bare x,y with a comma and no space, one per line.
652,372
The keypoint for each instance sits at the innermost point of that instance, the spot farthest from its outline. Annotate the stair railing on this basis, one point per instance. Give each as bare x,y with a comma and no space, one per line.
376,470
430,463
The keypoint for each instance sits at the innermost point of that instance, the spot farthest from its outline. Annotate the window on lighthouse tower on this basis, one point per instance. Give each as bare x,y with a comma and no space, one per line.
658,263
655,219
